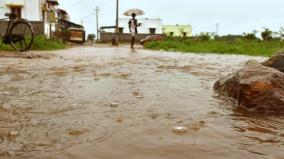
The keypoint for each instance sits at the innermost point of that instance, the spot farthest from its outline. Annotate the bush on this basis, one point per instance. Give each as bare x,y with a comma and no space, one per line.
91,37
229,38
250,36
203,36
42,43
266,34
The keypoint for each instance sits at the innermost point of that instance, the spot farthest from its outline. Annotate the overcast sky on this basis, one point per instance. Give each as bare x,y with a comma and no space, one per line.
233,16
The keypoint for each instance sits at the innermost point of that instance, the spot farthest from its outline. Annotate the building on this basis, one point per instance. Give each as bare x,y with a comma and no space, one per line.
177,30
37,12
42,14
27,9
148,26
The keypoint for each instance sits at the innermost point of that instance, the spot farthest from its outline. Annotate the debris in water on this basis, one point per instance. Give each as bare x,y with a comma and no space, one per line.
180,129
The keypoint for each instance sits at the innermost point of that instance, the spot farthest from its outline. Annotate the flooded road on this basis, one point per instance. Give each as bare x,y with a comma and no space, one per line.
104,103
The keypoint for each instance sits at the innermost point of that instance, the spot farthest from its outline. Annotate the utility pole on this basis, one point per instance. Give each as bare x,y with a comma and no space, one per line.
116,24
97,17
217,29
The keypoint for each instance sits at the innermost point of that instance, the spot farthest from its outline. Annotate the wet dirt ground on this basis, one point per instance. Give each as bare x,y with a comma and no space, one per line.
105,103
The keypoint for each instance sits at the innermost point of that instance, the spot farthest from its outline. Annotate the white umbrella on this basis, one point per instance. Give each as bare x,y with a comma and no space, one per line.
135,10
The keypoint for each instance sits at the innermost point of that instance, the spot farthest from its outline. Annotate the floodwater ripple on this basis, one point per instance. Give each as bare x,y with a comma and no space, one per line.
106,102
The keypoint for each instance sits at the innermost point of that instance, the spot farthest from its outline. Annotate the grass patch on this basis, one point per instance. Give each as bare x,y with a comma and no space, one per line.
237,46
40,43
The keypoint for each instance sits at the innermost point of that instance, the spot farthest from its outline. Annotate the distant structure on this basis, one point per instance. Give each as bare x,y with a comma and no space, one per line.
177,30
148,27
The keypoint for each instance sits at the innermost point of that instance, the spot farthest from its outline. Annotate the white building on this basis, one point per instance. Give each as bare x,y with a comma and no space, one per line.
34,11
148,26
27,9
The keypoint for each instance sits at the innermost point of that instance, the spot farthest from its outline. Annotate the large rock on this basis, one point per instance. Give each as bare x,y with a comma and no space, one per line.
276,62
255,87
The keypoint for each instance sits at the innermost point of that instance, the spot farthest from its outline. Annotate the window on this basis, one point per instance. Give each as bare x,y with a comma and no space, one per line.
17,11
120,30
152,30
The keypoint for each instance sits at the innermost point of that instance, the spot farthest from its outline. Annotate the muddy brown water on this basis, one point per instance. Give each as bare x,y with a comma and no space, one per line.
104,103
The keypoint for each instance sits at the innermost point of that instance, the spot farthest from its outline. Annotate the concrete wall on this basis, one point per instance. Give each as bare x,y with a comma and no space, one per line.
37,25
144,28
107,37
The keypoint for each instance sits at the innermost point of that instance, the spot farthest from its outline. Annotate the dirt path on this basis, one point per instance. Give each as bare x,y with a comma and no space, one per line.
88,102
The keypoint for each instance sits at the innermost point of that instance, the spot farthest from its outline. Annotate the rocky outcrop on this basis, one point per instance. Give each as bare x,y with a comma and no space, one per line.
276,62
255,87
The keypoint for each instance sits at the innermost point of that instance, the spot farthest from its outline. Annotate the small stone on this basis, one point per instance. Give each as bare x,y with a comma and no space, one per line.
76,132
96,78
14,133
6,106
114,104
180,121
202,123
136,93
139,97
119,120
154,115
180,129
12,153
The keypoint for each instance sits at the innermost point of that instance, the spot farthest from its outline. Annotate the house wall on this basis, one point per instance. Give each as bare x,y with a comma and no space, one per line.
144,28
177,30
34,5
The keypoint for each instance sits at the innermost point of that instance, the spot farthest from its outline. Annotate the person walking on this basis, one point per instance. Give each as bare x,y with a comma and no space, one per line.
133,24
